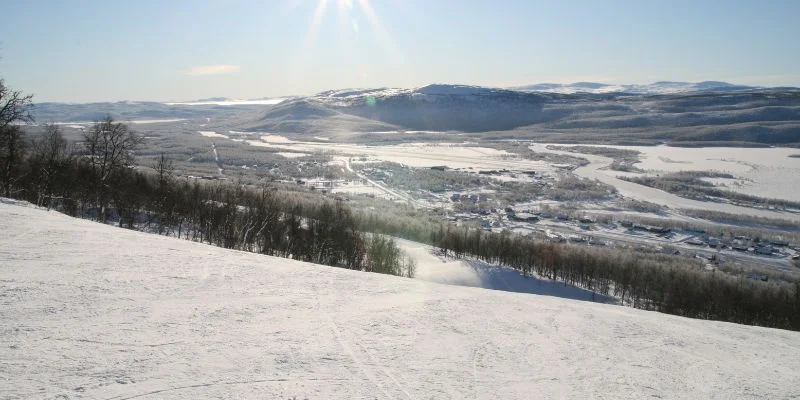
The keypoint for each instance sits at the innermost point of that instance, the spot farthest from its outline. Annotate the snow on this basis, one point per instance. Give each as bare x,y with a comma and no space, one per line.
93,311
763,172
153,121
464,272
598,169
83,124
229,102
349,97
292,155
417,155
270,138
656,88
212,134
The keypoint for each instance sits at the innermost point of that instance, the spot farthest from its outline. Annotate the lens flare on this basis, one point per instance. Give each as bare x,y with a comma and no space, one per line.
313,30
351,15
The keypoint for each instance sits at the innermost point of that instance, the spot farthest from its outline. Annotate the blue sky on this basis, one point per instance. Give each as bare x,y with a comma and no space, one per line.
180,50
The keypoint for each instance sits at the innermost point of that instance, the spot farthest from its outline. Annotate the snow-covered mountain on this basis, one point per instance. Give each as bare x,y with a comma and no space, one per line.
226,101
428,108
663,111
704,112
661,87
93,311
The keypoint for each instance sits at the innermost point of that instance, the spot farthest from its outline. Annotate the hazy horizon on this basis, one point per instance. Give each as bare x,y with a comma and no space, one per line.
87,51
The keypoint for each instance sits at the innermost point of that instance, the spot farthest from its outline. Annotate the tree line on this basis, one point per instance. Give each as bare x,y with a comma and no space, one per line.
654,282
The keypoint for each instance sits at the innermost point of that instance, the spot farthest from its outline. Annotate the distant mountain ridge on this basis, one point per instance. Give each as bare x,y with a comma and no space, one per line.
435,107
581,112
706,112
661,87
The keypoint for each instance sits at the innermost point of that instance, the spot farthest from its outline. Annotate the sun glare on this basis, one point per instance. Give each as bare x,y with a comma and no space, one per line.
349,13
359,28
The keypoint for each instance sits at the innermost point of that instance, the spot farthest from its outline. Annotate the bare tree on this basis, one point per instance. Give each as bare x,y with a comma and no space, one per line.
164,202
14,108
50,155
109,147
12,147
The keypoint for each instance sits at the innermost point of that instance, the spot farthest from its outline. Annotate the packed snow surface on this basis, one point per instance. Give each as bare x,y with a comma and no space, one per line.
92,311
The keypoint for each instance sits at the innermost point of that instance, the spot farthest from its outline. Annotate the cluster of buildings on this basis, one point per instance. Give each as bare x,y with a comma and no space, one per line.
655,229
469,198
743,244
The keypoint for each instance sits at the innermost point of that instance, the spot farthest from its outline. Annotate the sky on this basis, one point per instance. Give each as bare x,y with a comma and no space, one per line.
83,51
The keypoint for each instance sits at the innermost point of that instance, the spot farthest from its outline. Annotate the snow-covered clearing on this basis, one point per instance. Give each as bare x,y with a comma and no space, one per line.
287,154
763,172
92,311
212,134
357,188
598,169
418,155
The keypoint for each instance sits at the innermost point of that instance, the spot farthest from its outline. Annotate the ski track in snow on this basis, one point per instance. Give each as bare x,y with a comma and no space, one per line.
93,311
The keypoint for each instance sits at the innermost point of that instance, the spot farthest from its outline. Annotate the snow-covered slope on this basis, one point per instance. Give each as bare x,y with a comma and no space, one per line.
92,311
433,267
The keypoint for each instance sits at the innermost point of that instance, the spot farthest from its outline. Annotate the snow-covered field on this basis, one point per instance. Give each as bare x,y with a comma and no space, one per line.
419,155
598,169
763,172
212,134
92,311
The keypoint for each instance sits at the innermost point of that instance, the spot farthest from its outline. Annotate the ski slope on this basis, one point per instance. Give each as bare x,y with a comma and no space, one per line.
93,311
433,267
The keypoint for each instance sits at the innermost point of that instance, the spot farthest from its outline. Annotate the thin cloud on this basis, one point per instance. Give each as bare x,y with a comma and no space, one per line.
213,70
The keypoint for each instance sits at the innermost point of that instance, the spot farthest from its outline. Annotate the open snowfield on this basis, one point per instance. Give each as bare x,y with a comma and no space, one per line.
418,155
212,134
763,172
92,311
598,169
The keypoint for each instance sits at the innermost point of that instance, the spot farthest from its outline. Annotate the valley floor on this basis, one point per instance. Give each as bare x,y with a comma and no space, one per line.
92,311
